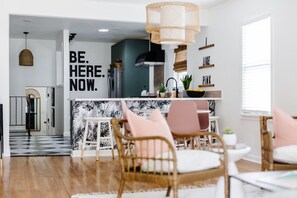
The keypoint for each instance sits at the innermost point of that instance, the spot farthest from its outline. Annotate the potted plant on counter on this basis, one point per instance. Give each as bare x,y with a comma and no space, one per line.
162,91
229,137
186,80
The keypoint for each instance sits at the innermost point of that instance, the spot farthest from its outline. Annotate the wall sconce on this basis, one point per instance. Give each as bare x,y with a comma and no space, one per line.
172,22
26,56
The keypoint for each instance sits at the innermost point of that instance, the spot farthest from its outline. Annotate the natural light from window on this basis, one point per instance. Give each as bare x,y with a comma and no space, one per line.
256,67
178,76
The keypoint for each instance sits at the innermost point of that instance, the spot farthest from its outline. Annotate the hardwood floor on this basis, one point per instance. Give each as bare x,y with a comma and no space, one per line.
60,177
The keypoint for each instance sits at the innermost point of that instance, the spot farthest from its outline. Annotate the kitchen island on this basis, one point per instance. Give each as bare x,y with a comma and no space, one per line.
111,107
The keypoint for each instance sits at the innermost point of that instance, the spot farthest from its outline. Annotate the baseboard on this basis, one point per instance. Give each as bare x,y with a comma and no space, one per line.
6,153
92,153
252,158
66,134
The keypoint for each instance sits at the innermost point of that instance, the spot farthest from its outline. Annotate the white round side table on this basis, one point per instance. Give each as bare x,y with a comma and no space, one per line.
236,188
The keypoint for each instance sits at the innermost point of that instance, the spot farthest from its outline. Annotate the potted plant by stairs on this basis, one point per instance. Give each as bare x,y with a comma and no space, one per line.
186,80
229,137
162,90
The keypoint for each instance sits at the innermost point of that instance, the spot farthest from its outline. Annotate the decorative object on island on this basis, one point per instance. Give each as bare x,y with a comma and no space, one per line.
229,137
195,93
162,90
26,56
186,80
172,22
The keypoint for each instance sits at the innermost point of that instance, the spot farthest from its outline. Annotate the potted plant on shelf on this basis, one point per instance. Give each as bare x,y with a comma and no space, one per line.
162,90
229,137
186,80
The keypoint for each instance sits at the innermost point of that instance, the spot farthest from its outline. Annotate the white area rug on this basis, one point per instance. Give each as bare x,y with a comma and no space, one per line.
207,192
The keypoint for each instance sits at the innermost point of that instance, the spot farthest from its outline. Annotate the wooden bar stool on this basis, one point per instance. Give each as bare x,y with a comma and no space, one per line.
96,143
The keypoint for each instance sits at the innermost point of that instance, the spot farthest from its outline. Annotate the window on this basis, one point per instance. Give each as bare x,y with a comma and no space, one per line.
180,64
256,67
178,76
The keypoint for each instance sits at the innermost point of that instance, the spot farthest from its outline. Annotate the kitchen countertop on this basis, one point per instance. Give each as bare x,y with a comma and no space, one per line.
117,99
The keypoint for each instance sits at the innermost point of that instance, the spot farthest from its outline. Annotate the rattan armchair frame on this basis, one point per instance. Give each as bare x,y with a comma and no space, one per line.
268,164
131,168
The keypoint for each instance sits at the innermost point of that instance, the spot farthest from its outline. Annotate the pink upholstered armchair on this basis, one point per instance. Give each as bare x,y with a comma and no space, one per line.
156,160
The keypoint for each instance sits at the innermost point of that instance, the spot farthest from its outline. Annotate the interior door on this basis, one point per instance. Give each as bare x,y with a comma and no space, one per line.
38,106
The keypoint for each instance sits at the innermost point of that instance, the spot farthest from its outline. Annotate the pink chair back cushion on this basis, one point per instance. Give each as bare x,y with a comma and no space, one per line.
183,118
154,126
203,117
285,128
124,109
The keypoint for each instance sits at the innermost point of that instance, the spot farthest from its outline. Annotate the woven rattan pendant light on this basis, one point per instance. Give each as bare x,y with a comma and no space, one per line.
172,22
26,56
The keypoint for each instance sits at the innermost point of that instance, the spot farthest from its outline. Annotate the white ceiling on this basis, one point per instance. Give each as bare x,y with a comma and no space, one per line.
86,30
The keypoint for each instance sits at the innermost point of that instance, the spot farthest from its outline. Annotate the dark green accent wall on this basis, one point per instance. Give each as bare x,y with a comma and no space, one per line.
134,78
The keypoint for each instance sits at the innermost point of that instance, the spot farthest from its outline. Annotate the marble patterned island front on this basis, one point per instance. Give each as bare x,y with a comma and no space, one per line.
111,107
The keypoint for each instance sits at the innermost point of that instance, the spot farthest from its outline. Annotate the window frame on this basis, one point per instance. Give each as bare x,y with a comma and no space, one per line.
250,112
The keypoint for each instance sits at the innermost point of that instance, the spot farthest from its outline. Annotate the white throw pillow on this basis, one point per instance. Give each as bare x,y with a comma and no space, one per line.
187,161
285,154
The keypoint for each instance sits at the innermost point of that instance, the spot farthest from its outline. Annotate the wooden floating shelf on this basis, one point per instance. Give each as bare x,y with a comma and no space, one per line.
206,46
207,85
206,66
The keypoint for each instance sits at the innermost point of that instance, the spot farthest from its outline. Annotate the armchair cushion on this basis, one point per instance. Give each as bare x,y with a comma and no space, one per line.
187,161
285,154
285,128
155,125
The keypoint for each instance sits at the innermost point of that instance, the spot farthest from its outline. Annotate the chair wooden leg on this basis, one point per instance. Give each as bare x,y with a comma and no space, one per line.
121,188
168,191
84,140
227,186
111,139
175,191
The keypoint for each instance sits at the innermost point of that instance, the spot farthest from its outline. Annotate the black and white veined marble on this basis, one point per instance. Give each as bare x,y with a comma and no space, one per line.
108,108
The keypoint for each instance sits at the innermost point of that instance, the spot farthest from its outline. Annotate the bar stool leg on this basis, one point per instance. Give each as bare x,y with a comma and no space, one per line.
84,140
98,140
217,127
111,138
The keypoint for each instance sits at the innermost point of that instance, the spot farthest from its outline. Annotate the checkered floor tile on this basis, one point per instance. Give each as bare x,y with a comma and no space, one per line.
39,145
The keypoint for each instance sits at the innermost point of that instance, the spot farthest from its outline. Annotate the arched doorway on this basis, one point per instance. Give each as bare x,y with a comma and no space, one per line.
33,113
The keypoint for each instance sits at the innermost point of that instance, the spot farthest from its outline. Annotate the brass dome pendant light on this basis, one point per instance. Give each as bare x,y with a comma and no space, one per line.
26,56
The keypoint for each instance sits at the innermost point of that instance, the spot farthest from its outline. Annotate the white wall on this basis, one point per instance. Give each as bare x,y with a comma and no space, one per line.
96,54
66,93
40,74
59,111
224,31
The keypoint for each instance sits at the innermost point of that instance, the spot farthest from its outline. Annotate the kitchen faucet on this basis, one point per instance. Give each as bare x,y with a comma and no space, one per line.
176,89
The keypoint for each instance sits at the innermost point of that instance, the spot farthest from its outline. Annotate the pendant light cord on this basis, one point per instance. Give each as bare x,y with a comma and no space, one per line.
26,33
26,40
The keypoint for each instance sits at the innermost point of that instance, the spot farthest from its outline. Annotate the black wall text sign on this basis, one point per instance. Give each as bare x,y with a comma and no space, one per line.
82,74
